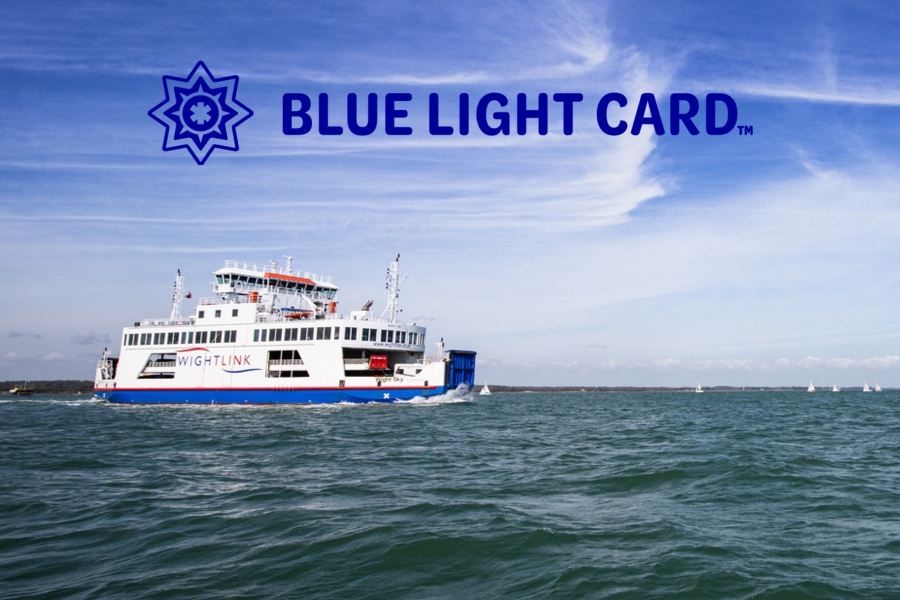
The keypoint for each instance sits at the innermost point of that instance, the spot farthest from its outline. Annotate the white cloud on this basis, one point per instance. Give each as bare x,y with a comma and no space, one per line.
85,337
54,357
18,334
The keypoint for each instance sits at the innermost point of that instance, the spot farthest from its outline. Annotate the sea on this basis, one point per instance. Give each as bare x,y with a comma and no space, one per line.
763,494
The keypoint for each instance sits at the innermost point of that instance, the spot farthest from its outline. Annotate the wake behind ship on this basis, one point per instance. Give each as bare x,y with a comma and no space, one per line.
271,336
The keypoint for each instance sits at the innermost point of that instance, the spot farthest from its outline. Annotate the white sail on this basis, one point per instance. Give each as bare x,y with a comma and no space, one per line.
485,391
810,388
699,389
835,388
866,387
877,387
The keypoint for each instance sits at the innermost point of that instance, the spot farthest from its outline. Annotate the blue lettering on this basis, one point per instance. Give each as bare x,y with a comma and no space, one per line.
434,127
731,115
603,117
676,117
352,121
568,102
324,127
392,113
207,360
481,114
288,113
184,360
463,114
198,360
523,114
641,119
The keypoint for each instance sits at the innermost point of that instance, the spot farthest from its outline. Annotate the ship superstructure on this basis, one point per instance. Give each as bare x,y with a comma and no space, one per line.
273,336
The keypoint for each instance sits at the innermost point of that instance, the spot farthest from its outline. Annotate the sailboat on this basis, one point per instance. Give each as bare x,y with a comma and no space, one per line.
835,388
877,387
810,388
866,387
485,391
699,389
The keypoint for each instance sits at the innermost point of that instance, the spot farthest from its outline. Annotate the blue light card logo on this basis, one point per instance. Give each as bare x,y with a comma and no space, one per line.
200,113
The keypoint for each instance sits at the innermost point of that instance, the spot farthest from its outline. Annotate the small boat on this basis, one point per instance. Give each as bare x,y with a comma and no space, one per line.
866,387
835,388
23,391
699,389
810,388
485,391
877,387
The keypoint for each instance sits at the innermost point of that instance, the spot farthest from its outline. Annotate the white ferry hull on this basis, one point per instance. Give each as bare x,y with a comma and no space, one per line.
265,396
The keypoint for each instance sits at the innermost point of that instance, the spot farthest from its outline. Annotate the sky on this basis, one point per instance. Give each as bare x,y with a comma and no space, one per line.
648,260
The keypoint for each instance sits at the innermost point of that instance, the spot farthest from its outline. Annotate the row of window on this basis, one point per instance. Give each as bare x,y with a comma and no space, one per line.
202,313
388,336
290,334
287,374
183,337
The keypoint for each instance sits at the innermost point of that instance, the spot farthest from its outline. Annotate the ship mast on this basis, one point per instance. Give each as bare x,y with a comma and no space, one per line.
176,297
394,279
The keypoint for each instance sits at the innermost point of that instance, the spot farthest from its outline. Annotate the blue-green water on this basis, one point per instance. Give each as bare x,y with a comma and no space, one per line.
634,495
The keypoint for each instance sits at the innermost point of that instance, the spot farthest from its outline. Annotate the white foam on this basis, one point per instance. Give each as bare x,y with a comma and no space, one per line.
455,396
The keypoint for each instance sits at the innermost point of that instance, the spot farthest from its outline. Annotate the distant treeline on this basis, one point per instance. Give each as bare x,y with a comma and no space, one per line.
60,386
574,388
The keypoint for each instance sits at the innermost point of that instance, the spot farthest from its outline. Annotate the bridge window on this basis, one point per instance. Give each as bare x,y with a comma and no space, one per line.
350,333
234,312
290,335
337,333
201,337
218,313
200,314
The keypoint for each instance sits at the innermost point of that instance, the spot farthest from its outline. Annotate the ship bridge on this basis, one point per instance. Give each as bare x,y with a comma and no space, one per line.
248,279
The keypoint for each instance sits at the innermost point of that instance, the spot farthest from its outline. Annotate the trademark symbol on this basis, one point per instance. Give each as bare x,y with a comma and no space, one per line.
745,129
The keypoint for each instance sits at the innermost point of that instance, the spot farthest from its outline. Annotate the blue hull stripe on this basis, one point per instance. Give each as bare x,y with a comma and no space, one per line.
251,396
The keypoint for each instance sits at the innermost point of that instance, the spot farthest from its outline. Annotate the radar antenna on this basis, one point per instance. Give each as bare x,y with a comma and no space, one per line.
176,297
394,279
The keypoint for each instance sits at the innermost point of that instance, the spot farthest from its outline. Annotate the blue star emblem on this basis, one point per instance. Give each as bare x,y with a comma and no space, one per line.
200,113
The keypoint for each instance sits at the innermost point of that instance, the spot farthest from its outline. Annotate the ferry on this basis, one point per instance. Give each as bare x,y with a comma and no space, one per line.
273,336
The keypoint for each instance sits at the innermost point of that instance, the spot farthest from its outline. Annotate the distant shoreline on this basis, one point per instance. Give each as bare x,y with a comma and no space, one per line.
69,386
716,388
58,386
